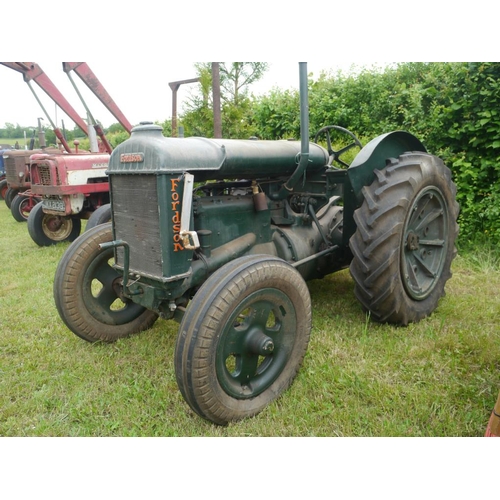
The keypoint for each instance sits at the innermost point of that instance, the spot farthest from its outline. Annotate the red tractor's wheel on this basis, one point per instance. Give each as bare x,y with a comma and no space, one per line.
3,188
405,239
10,194
243,338
87,291
48,229
22,205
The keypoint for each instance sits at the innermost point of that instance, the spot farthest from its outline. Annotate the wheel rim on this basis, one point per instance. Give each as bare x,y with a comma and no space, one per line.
57,228
255,343
25,207
102,296
424,246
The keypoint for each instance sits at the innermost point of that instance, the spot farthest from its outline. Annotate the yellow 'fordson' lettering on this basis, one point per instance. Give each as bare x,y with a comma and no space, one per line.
176,219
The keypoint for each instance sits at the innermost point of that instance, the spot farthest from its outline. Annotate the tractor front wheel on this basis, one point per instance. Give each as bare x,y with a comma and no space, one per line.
405,239
10,194
48,229
22,205
243,338
88,291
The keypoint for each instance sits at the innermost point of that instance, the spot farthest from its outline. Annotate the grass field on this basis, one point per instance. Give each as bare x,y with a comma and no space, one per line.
435,378
12,142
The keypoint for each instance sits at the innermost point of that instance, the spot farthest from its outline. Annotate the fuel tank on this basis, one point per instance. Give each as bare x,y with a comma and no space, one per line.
148,151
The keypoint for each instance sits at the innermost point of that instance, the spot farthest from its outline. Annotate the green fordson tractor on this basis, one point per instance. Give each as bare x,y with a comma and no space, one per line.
221,235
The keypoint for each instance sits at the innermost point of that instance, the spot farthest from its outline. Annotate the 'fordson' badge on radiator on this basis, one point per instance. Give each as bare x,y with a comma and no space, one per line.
131,157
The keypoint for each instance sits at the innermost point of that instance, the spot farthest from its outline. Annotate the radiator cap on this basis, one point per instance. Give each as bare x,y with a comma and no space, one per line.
148,127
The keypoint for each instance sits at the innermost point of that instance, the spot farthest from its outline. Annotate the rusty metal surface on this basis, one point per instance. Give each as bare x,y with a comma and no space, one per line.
90,79
32,71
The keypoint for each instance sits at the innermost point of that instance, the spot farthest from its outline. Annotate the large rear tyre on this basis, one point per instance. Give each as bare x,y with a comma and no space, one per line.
99,216
87,292
48,229
405,239
22,205
243,338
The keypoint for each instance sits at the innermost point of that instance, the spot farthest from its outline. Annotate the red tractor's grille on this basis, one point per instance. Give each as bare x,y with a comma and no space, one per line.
41,175
15,165
10,167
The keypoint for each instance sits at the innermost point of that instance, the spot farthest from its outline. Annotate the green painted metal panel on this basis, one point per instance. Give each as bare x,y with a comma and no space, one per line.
148,151
374,156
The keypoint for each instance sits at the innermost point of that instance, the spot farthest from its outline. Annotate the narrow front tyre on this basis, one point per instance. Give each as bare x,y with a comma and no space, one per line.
22,205
88,291
49,229
243,338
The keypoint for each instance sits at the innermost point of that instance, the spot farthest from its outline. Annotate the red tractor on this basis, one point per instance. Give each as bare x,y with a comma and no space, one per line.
71,184
3,182
17,181
71,187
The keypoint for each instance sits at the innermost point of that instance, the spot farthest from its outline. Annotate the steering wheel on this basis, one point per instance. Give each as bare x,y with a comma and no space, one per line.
335,155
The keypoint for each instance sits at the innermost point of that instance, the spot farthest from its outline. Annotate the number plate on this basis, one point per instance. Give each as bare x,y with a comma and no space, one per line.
57,205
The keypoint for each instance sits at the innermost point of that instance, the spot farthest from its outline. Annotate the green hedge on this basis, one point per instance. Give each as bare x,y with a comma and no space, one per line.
453,108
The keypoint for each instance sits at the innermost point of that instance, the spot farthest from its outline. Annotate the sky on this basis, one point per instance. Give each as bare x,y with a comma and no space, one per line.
141,95
135,54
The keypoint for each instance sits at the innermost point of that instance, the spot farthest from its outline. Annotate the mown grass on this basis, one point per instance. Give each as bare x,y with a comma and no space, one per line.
436,378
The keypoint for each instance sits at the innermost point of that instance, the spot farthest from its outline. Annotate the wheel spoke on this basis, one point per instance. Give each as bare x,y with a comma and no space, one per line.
412,278
433,215
249,364
345,148
432,243
106,296
335,155
262,316
428,271
329,144
105,274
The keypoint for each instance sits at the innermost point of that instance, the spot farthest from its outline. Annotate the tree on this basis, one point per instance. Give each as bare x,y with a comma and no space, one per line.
236,77
235,80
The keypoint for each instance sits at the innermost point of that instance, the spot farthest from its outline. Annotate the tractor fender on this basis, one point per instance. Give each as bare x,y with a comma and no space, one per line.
375,155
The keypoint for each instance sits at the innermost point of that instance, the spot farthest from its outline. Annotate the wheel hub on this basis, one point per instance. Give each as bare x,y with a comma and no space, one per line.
259,343
253,348
412,241
54,223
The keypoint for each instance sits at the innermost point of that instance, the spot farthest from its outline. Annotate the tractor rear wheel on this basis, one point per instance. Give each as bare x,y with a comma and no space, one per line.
405,239
22,205
243,338
3,188
48,229
87,291
99,216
